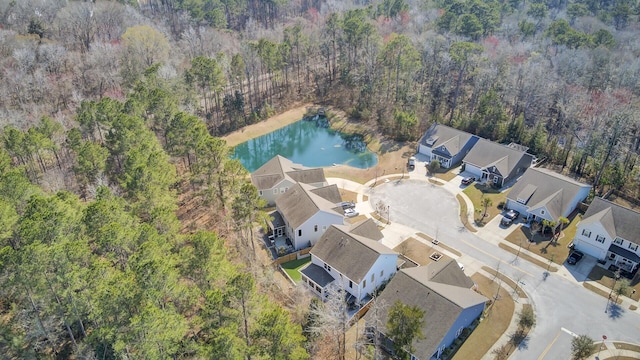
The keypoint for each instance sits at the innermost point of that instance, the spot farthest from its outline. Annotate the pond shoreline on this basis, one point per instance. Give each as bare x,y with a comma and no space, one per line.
392,156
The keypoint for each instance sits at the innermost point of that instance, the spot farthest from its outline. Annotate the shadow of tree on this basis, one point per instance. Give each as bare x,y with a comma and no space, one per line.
614,310
519,339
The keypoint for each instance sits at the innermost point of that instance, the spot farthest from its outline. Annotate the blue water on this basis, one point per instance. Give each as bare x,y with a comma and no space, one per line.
303,143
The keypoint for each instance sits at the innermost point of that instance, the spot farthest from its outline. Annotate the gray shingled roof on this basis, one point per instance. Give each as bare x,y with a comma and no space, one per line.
319,275
279,168
485,154
329,192
350,254
618,220
299,204
442,301
550,189
453,139
368,229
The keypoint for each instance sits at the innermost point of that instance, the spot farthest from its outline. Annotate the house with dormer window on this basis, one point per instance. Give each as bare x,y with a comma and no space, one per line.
495,163
446,144
352,258
610,232
542,194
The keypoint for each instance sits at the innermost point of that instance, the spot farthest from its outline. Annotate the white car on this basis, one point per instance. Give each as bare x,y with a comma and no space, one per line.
350,213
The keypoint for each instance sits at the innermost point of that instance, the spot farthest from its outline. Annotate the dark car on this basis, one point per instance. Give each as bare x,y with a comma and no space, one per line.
574,257
509,217
468,180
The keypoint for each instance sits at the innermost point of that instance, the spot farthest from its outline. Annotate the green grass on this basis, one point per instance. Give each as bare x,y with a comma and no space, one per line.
477,192
292,268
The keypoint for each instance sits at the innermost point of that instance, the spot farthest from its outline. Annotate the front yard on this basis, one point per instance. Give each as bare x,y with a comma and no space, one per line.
543,245
477,193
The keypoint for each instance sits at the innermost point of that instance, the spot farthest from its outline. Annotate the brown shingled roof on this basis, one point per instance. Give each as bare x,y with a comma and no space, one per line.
279,168
299,204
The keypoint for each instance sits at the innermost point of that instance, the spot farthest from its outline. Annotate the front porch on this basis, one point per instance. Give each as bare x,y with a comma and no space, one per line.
623,259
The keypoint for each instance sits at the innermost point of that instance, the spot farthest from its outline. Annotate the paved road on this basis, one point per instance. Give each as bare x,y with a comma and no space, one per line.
561,303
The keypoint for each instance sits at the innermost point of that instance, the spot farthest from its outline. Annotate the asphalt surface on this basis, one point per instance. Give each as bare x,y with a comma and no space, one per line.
562,305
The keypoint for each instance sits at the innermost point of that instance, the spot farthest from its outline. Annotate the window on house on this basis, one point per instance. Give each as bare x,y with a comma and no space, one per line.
381,273
618,241
586,233
600,239
459,332
299,232
495,180
315,228
633,247
327,267
373,277
364,283
350,284
541,212
275,191
260,192
282,190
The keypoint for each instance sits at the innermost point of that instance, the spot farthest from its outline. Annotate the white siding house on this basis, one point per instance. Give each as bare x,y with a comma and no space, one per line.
542,194
610,233
351,259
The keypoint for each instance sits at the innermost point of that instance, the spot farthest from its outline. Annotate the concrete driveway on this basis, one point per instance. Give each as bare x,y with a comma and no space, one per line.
560,302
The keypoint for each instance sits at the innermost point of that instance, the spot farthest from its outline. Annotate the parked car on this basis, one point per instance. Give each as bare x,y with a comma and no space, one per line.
468,180
509,217
350,213
348,204
574,257
411,164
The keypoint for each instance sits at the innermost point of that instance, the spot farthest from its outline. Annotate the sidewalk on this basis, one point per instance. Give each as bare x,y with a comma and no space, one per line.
395,233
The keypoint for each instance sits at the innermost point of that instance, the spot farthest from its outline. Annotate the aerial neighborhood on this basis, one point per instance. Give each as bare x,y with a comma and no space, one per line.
350,255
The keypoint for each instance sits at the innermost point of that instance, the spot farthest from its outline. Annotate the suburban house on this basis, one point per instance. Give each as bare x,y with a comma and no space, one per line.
279,174
610,232
444,293
352,258
542,194
305,213
446,144
496,163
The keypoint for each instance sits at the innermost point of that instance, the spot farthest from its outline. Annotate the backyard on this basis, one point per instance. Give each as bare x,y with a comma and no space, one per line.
292,268
478,192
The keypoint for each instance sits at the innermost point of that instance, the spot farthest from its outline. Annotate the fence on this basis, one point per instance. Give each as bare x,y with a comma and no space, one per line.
293,256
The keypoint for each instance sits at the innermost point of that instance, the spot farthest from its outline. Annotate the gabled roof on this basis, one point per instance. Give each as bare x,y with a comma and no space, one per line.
280,168
438,290
299,204
368,229
350,254
329,192
453,139
544,188
486,154
618,220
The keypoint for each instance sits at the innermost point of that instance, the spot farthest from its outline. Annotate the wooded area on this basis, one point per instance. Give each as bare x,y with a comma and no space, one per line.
110,112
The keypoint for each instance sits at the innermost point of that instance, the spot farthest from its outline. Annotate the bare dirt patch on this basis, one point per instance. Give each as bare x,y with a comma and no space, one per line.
419,252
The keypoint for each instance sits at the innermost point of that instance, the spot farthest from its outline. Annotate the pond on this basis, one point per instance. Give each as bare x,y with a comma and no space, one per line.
306,143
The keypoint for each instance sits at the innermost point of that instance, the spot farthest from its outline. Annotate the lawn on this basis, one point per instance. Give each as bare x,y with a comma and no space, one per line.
292,268
605,277
418,251
556,251
476,192
447,174
495,323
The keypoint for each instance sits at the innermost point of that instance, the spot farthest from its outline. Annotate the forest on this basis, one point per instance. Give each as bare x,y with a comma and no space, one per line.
126,231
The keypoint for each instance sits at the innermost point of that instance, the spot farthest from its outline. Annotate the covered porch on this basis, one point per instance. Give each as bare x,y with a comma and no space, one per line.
622,258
